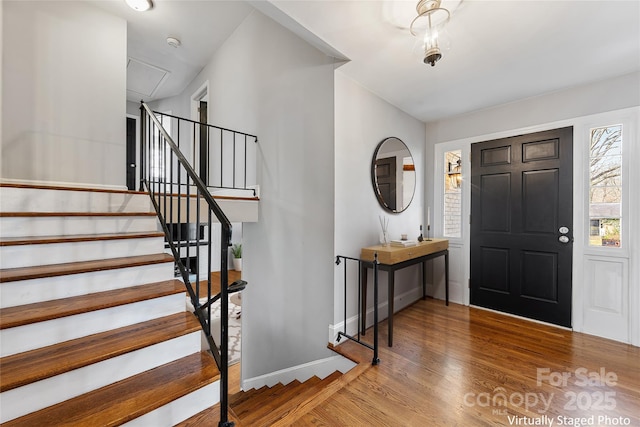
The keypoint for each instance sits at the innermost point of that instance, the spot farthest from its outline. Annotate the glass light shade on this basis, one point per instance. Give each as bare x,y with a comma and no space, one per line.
428,26
140,5
435,43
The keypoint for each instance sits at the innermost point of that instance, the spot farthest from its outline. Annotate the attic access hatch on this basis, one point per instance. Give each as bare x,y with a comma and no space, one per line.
143,80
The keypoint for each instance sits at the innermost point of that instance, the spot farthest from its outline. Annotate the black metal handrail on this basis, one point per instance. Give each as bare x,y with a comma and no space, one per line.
180,197
340,259
227,174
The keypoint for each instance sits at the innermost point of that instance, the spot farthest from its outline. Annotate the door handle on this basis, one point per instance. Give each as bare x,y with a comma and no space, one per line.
563,239
132,165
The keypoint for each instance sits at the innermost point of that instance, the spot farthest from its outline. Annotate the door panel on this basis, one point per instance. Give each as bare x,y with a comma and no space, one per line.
386,181
538,187
496,214
495,279
131,153
539,278
522,193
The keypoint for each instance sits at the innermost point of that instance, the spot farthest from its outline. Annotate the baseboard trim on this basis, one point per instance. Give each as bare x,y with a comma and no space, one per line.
320,368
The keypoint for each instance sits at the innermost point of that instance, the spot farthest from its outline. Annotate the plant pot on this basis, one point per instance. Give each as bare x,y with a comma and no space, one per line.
237,264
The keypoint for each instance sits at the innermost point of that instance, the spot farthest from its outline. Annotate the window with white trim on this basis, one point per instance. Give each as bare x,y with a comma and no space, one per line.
452,194
605,186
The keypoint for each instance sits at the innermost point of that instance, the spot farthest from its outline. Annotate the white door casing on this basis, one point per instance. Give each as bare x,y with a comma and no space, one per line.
606,281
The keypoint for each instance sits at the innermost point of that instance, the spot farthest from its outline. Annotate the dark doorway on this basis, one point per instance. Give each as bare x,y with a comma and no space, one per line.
204,143
386,181
522,225
131,153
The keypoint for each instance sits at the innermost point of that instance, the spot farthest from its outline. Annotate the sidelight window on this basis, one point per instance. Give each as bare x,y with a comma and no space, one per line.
453,193
605,186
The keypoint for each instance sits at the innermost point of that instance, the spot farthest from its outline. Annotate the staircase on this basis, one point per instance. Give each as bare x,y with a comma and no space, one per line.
93,327
284,405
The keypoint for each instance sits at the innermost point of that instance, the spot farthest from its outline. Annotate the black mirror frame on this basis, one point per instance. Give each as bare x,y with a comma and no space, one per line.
374,182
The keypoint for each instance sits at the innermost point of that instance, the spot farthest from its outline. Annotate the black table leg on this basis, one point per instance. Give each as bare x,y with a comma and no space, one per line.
424,280
363,303
446,276
390,304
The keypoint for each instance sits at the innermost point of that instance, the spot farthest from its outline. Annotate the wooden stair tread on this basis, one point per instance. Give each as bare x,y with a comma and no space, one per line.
309,398
255,407
130,398
353,351
271,404
73,214
215,197
40,240
68,188
108,190
35,365
22,315
210,417
282,405
37,272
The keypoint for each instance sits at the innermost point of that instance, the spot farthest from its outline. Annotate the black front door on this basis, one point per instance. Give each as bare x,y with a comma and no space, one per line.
521,225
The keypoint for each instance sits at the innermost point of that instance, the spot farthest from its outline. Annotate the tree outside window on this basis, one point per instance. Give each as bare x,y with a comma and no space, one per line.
605,186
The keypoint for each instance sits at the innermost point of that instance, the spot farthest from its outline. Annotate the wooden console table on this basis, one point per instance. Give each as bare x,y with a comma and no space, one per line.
392,258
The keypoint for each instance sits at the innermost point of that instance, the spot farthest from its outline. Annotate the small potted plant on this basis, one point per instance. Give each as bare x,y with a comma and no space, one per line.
236,251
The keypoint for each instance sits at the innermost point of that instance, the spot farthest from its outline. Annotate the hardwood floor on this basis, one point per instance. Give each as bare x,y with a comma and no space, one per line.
215,282
461,366
457,366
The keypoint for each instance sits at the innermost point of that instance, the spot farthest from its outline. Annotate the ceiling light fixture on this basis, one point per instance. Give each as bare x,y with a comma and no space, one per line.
140,5
173,42
429,26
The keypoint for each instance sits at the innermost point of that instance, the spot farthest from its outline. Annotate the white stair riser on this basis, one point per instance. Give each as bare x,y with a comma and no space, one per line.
62,226
18,402
39,200
71,327
180,409
58,253
50,288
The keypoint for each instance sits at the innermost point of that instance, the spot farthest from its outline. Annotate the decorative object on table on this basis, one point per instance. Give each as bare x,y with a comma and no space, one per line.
428,223
420,238
236,251
403,243
384,235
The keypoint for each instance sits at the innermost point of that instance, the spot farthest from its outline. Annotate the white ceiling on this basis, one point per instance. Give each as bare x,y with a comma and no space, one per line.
501,50
201,25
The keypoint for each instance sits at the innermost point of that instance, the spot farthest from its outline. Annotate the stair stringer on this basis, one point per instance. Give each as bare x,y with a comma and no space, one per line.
321,368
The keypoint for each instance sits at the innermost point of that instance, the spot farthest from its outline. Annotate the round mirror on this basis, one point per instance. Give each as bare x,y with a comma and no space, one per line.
393,175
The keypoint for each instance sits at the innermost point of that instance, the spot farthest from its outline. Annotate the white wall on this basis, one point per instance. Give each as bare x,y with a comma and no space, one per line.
1,79
133,108
607,95
64,76
362,121
266,81
581,107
